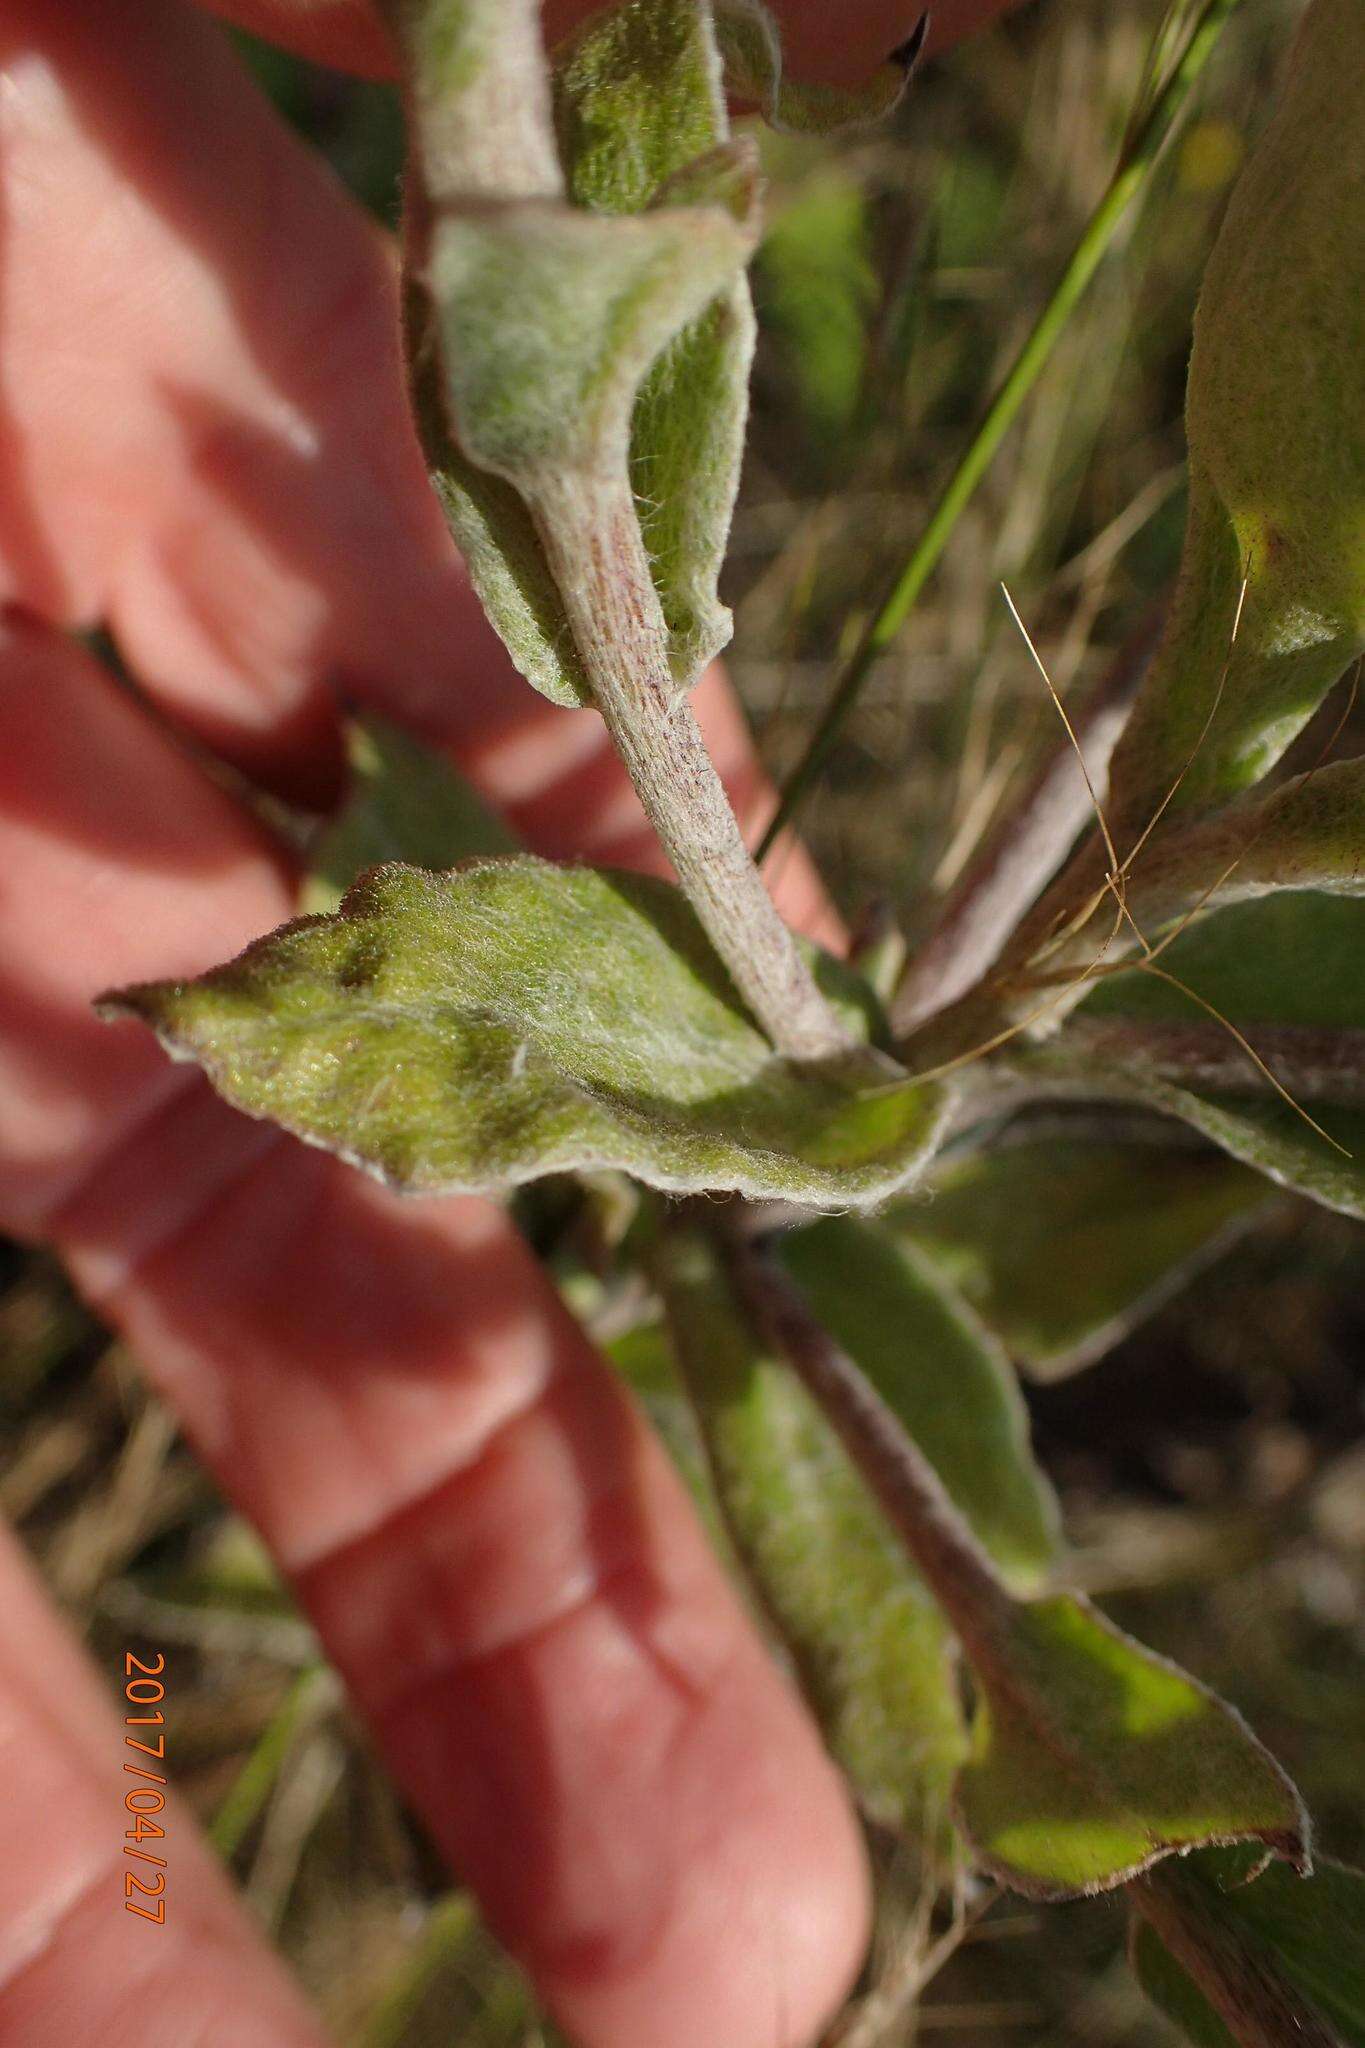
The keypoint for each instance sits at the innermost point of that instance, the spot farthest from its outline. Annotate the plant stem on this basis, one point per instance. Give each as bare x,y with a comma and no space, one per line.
1244,1989
591,535
1026,846
913,1498
478,98
1127,182
482,128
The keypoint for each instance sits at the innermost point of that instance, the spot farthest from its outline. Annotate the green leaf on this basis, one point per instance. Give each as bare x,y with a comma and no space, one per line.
1174,1993
817,288
1093,1757
1276,424
405,802
572,337
1090,1757
751,50
549,319
494,532
1295,960
1310,1930
644,1358
872,1651
686,445
1269,1135
637,98
1062,1245
1307,834
943,1374
641,118
462,55
512,1019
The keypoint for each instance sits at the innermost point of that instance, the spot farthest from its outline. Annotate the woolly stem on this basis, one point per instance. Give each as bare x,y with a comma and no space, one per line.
591,535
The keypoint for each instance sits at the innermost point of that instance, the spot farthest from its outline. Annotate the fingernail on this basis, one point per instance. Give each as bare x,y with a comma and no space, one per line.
906,54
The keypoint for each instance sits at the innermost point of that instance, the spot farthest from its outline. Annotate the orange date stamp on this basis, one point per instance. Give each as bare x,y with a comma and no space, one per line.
144,1692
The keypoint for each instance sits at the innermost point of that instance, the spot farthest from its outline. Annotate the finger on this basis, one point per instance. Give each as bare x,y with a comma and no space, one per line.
218,457
222,414
820,41
496,1553
77,1968
347,33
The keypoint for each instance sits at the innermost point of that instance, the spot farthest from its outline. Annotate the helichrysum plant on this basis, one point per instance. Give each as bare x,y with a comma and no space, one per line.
832,1354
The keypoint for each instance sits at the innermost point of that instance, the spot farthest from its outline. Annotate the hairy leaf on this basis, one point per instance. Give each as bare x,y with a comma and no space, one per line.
686,443
642,119
751,48
1276,424
1090,1757
872,1651
493,530
406,802
549,319
1310,1931
1263,1131
1093,1757
567,336
1062,1245
637,98
1307,834
512,1019
943,1374
463,55
1295,960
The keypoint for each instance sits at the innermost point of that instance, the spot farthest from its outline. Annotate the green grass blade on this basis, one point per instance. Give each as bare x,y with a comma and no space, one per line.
1130,177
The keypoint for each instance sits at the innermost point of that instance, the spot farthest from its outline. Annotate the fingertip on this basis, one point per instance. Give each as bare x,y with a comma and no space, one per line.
772,1914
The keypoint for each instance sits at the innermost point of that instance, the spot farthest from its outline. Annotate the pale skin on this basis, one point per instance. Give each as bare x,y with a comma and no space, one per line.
204,442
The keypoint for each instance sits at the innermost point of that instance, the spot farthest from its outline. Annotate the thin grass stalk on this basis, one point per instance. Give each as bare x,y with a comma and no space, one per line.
1130,178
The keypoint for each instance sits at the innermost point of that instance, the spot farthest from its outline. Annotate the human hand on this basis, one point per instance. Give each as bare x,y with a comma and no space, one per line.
204,443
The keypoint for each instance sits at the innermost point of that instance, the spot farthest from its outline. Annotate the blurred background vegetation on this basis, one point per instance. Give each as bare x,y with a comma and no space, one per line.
1211,1465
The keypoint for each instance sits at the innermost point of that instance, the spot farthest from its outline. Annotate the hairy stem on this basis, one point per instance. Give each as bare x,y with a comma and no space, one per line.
1244,1988
591,534
480,115
478,98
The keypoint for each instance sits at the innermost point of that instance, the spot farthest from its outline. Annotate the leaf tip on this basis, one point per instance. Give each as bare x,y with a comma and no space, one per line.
1293,1846
142,1001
